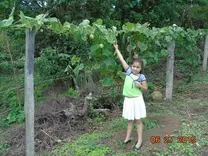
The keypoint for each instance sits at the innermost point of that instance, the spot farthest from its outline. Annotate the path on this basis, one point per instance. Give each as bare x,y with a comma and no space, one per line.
170,123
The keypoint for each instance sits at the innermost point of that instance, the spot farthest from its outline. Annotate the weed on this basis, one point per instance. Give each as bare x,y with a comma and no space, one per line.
4,147
149,123
118,124
16,115
100,117
73,93
133,153
85,145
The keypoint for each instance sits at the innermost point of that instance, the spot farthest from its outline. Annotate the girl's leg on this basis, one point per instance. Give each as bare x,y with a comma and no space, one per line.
139,132
129,130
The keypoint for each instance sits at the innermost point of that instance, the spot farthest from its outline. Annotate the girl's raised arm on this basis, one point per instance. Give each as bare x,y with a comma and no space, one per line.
123,62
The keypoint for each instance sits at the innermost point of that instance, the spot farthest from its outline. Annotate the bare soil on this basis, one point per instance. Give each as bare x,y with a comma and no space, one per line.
54,123
170,124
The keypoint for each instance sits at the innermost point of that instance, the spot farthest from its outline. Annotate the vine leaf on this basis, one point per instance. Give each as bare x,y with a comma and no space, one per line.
107,82
9,21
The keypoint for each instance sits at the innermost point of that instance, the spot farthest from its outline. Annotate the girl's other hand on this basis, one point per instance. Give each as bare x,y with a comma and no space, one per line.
138,84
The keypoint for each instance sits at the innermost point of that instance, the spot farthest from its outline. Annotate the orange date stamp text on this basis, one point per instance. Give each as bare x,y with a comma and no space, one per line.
170,139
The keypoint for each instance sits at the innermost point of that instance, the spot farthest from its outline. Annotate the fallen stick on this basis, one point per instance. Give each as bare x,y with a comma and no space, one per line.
101,110
57,140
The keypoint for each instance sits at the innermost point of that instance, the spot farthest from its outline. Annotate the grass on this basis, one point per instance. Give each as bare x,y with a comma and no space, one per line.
201,78
86,144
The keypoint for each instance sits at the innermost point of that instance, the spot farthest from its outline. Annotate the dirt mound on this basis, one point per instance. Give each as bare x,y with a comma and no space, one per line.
56,120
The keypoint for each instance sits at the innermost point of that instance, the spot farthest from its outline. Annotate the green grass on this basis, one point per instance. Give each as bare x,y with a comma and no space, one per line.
202,78
85,145
4,147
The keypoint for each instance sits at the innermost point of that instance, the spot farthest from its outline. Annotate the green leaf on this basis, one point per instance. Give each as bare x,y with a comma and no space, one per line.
144,62
154,56
62,55
78,68
51,20
12,13
164,30
168,38
68,68
76,71
9,21
142,46
81,66
41,16
67,25
107,82
157,42
21,116
26,21
75,59
94,47
106,52
57,27
129,48
6,22
164,52
85,22
99,21
109,62
129,26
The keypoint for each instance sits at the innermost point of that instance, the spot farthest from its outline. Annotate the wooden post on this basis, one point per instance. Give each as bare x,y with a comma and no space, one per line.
169,70
205,58
29,90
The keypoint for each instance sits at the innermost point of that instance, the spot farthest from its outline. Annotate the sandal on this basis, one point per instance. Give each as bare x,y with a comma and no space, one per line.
125,143
137,148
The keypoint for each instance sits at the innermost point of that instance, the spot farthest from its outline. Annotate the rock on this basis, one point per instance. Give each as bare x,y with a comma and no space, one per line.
157,96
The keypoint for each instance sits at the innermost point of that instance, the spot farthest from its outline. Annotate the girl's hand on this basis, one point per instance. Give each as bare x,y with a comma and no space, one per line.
138,84
141,85
123,62
115,46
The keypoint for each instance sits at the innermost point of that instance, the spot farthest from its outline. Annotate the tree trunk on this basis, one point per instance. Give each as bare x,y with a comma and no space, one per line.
169,70
205,58
29,90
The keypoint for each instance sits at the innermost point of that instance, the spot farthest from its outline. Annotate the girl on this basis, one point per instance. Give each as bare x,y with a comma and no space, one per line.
134,107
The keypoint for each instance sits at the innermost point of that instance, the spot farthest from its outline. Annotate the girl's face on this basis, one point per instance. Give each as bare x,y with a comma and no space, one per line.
136,67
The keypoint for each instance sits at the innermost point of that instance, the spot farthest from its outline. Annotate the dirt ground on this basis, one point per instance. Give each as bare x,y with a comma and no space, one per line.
170,123
55,121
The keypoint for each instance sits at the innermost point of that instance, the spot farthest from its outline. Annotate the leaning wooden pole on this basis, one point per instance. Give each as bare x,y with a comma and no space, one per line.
29,90
205,58
170,70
